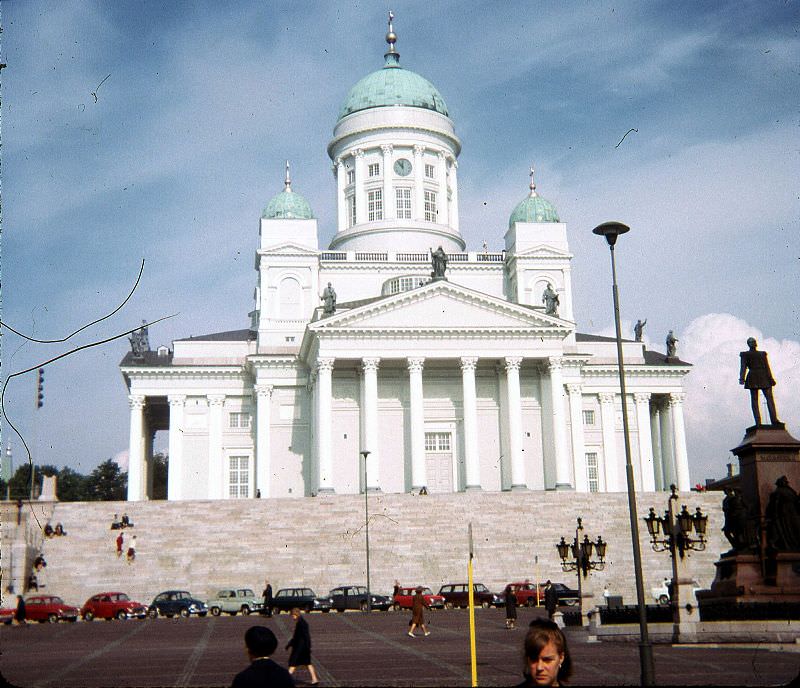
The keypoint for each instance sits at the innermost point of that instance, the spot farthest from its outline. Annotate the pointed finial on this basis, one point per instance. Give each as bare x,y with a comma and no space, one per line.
391,56
287,182
532,184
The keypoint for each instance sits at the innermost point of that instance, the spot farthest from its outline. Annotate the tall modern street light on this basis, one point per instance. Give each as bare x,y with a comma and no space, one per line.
365,453
612,230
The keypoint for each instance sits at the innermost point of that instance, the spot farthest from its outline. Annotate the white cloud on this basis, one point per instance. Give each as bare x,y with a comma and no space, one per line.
121,459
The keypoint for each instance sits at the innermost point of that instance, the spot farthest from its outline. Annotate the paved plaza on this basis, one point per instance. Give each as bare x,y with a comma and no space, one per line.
352,649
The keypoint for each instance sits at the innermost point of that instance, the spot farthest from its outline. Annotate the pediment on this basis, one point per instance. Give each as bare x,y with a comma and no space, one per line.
543,251
287,248
443,306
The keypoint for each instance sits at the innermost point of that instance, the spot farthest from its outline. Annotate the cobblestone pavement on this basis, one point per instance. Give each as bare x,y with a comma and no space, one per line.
352,649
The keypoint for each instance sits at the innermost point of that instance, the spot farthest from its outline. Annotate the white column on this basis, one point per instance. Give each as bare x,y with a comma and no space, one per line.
370,418
419,477
419,190
360,195
655,438
667,446
453,194
216,471
441,201
608,421
514,411
324,390
555,365
679,442
389,201
576,425
646,471
175,477
341,201
263,455
136,449
471,457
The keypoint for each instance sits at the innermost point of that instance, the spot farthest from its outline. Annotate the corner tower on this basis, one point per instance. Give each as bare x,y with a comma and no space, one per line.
394,153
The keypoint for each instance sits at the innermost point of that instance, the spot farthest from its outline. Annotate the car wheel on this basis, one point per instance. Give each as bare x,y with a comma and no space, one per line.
663,600
363,606
245,610
215,611
121,615
448,605
485,605
153,613
88,616
184,612
52,618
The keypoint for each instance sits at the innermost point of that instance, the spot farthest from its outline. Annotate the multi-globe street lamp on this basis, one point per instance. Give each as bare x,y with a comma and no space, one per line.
611,231
578,557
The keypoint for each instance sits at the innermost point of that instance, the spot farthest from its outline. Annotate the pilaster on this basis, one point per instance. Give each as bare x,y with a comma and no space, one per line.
324,393
360,196
419,478
175,477
389,201
554,366
471,458
575,393
216,471
419,192
514,411
369,411
608,422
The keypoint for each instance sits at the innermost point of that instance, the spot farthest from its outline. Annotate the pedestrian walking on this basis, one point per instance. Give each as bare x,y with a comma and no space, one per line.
550,599
260,643
301,647
546,658
131,555
20,614
511,607
267,594
418,613
120,541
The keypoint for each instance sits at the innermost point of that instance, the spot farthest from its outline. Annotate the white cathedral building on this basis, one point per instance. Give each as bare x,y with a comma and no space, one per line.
468,379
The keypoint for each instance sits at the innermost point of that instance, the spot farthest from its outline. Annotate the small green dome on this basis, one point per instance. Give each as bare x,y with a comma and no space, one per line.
534,208
393,85
288,205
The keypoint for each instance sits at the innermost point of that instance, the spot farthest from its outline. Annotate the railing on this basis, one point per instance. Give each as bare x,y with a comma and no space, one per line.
386,257
334,255
412,257
489,257
378,257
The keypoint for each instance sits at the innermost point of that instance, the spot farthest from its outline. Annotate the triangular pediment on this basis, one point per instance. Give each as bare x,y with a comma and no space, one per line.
443,306
543,251
287,248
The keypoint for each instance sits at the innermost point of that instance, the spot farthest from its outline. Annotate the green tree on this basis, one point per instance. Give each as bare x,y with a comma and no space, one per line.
160,470
107,482
71,485
20,482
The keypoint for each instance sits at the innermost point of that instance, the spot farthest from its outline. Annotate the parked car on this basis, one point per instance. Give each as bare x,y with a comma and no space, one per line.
527,593
235,600
661,594
404,598
287,599
180,602
112,605
355,597
457,595
7,615
566,596
49,608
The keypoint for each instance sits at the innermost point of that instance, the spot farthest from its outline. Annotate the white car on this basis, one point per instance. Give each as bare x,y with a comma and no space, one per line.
660,593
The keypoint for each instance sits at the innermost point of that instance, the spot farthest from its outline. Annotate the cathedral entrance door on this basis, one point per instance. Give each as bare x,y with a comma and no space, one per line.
439,461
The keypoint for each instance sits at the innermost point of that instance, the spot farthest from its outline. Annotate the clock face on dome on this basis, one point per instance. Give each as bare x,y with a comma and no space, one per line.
402,167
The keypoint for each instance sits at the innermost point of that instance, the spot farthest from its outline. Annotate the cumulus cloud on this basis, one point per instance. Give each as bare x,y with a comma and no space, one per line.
121,459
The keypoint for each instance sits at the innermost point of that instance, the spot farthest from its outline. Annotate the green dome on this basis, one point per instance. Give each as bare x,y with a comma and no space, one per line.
393,85
288,205
534,208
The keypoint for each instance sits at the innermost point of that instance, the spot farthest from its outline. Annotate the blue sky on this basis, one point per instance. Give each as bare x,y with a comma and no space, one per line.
201,102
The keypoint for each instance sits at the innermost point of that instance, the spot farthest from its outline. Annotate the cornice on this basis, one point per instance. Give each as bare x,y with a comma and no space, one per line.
213,372
633,370
474,333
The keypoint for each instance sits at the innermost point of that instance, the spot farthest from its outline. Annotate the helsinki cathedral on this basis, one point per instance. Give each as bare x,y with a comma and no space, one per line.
398,346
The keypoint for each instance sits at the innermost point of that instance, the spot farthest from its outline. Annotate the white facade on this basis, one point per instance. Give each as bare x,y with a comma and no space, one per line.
456,384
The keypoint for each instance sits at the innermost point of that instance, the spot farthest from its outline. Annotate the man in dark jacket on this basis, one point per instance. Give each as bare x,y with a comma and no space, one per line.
550,599
261,642
267,599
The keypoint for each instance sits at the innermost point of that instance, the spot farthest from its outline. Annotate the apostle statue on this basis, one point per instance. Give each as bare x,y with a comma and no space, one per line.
328,300
550,300
672,345
755,374
439,260
735,526
783,518
638,328
139,340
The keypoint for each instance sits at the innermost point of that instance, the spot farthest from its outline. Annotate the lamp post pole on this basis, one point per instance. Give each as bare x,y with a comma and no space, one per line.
582,562
365,453
612,230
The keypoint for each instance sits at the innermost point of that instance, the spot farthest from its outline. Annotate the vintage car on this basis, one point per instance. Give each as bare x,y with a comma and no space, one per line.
176,603
49,608
234,600
306,599
527,593
7,615
568,597
112,605
405,598
355,597
661,593
457,595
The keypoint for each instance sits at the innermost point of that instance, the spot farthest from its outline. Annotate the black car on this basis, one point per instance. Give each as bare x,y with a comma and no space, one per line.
566,596
355,597
287,599
176,602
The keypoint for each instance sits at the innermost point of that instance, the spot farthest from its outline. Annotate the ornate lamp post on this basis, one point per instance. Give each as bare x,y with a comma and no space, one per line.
678,532
365,453
612,230
581,558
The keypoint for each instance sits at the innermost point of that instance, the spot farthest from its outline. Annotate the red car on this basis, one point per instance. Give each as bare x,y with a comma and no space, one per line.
526,593
7,616
112,605
49,608
405,598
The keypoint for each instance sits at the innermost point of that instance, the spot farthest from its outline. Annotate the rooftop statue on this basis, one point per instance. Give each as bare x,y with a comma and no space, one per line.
139,341
328,300
672,345
439,260
755,374
550,300
638,328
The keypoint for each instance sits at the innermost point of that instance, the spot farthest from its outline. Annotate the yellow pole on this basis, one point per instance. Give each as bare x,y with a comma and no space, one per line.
472,651
538,578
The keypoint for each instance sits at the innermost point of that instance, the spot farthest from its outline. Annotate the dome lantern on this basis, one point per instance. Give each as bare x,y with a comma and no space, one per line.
288,204
533,208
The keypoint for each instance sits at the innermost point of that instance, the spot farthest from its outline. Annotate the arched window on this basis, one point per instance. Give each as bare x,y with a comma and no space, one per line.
290,299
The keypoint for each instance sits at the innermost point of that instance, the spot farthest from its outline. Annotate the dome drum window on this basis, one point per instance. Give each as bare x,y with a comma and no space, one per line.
430,206
375,205
374,169
403,196
398,285
430,171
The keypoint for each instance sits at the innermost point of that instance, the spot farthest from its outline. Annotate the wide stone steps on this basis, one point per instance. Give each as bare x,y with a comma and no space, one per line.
320,542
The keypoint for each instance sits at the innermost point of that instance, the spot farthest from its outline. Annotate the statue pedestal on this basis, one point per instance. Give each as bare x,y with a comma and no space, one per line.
740,578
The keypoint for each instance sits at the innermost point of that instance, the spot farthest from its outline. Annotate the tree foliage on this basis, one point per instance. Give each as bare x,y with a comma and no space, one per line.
107,482
160,468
